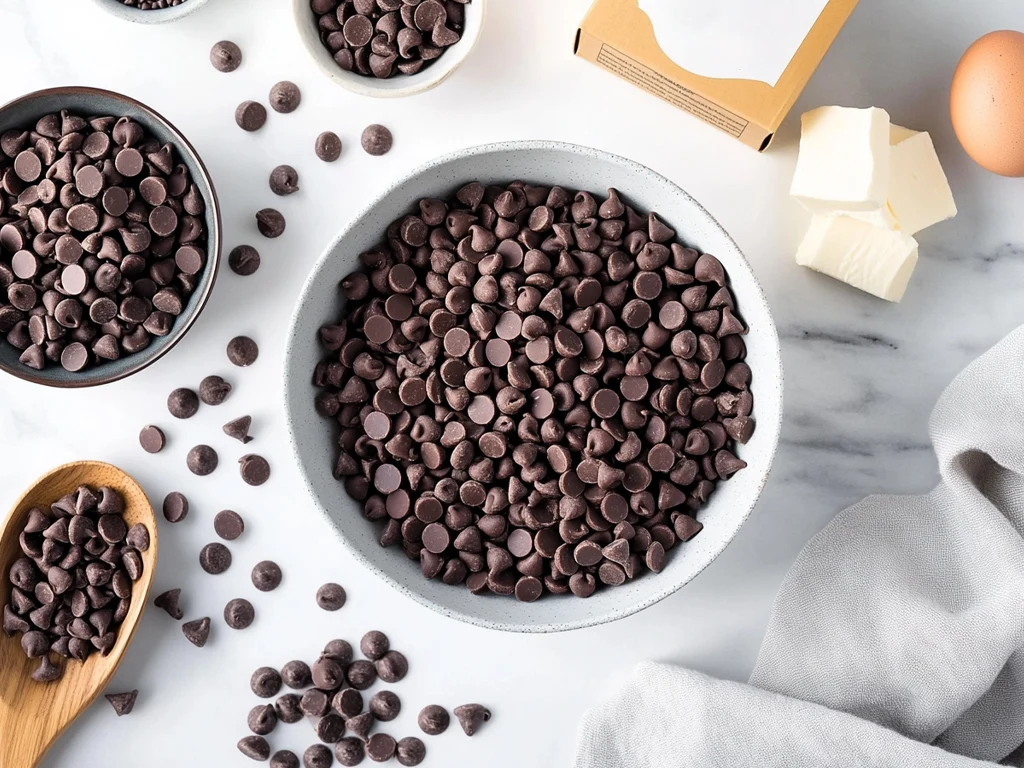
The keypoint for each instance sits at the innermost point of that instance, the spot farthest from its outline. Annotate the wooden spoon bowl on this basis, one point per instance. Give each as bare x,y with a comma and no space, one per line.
32,714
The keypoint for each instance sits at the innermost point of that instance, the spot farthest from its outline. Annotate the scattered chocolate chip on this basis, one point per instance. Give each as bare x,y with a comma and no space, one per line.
349,751
265,682
385,705
328,146
284,758
471,717
262,719
215,558
244,260
239,613
433,719
183,403
392,667
239,428
228,524
376,140
123,703
202,460
213,390
284,180
331,596
242,351
374,644
168,601
152,439
254,469
285,97
410,751
255,748
197,632
380,747
270,222
296,674
225,56
250,115
266,576
175,507
317,756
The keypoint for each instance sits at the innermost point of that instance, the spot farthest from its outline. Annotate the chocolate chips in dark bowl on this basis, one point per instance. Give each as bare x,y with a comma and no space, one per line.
109,236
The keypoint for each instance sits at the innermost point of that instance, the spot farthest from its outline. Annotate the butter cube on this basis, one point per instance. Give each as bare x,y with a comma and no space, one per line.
919,194
843,164
879,261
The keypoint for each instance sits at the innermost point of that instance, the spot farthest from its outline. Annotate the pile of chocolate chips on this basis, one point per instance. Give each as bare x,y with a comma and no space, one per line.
152,5
73,586
330,693
536,390
102,239
382,38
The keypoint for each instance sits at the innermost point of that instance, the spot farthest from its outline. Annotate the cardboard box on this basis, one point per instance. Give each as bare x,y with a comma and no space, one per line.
738,65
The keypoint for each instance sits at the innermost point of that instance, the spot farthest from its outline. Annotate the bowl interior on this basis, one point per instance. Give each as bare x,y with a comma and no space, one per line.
399,85
576,168
90,102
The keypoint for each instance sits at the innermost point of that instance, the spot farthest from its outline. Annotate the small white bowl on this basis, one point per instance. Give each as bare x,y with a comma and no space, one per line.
575,167
400,85
158,16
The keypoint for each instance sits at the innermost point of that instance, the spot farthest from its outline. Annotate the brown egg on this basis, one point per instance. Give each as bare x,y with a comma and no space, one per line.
986,102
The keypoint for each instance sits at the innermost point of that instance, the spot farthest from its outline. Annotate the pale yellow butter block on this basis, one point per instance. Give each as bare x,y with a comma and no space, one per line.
878,261
843,163
919,194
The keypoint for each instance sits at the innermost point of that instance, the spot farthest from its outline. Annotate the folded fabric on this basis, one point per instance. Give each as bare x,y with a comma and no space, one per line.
897,638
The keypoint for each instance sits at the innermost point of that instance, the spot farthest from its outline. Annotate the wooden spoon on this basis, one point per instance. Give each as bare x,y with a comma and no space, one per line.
33,715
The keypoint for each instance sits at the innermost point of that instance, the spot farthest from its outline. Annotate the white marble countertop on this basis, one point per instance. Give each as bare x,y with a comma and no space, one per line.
861,375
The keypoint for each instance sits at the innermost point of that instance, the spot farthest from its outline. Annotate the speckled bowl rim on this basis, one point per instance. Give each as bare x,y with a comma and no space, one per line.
158,16
428,78
183,322
621,610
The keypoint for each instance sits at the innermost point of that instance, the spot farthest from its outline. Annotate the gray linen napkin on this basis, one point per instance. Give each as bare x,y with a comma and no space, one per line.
897,638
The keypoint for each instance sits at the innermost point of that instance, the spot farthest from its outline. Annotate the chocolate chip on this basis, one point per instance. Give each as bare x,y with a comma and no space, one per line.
376,140
380,747
169,601
152,439
331,596
213,390
215,558
471,717
123,703
242,351
250,115
228,524
385,705
410,750
392,667
201,460
262,719
349,752
254,469
270,222
433,719
197,632
265,682
284,180
296,674
328,146
255,748
284,758
175,507
317,756
239,613
225,56
266,576
374,645
239,429
183,403
330,728
244,260
285,97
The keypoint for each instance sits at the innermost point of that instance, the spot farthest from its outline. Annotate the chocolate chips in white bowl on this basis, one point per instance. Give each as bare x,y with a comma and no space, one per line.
536,389
388,38
102,239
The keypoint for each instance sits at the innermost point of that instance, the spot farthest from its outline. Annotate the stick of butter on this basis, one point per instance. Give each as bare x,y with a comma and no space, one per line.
843,163
879,261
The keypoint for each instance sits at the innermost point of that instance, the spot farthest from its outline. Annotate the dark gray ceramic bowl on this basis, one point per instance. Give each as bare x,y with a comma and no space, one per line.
26,111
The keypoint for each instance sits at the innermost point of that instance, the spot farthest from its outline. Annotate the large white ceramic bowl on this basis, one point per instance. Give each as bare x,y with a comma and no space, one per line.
574,167
400,85
156,16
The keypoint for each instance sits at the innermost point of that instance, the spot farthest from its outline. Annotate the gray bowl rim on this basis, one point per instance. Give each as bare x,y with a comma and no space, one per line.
292,384
182,324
